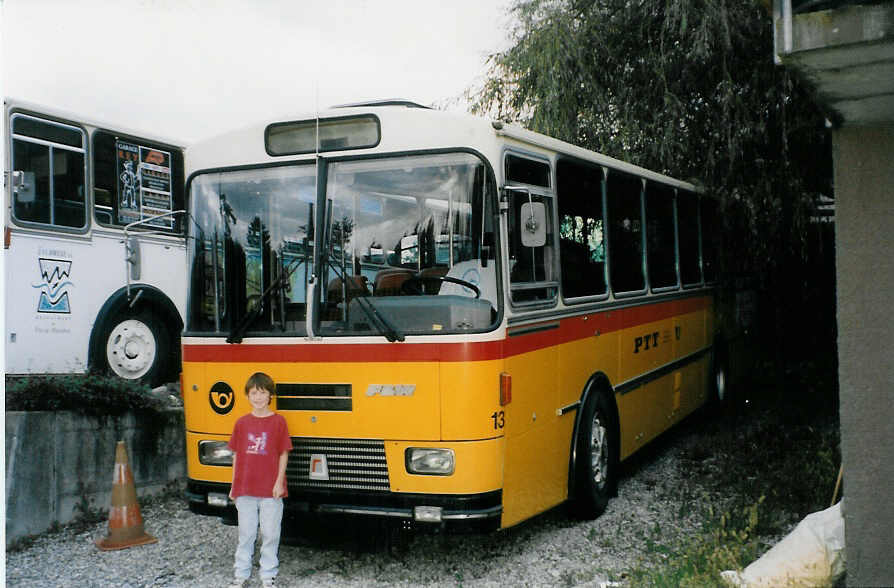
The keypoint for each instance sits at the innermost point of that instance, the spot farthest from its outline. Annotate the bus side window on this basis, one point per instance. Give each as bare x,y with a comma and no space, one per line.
111,173
662,243
581,229
531,271
687,221
710,215
625,236
530,268
51,155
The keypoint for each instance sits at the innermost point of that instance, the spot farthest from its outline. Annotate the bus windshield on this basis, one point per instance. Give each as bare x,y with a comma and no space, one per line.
406,248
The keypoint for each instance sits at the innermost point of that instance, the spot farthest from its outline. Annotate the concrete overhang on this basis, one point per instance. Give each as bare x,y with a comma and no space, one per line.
847,52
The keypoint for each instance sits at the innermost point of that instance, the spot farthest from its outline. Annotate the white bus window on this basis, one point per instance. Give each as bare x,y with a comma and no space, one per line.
625,236
134,179
51,157
662,243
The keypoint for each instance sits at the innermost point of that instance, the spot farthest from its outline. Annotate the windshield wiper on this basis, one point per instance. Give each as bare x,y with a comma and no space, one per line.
239,330
380,321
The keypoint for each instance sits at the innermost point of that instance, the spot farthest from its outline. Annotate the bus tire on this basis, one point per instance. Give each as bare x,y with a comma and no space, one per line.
137,346
597,463
720,395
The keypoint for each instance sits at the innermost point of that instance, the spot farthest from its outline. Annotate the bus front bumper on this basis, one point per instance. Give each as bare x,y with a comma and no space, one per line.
455,513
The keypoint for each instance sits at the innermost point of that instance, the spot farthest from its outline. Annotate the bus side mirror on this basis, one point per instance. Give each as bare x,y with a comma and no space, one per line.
533,220
23,187
132,256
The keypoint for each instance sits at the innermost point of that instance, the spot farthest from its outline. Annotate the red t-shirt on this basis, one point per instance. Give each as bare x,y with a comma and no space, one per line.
258,442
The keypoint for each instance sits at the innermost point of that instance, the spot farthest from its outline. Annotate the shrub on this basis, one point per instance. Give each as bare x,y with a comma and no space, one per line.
90,394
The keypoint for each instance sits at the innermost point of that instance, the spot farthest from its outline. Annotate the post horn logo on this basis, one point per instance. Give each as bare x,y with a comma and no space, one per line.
221,398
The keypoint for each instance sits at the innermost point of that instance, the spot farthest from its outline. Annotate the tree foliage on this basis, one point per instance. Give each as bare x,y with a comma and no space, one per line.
685,87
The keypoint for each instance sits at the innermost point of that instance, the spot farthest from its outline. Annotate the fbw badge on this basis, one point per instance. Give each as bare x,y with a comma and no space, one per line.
319,467
54,297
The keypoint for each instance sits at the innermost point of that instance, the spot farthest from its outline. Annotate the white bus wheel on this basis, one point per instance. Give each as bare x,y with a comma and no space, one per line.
135,348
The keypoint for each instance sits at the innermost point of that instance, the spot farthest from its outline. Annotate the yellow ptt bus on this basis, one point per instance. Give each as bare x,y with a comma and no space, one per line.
468,323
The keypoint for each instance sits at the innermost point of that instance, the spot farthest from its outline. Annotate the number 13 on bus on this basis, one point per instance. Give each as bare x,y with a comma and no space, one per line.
468,323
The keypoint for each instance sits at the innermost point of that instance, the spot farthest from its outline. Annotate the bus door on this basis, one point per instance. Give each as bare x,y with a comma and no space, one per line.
536,470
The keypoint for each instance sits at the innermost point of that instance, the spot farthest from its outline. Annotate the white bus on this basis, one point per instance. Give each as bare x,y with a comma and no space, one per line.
94,247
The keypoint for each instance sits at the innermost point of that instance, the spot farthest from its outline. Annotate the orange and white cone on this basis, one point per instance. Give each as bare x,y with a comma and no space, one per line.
125,520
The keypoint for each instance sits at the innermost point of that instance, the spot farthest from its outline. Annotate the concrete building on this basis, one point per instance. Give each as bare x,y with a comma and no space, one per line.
847,49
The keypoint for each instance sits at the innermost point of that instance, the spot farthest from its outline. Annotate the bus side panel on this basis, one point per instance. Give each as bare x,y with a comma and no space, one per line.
644,348
52,297
470,400
162,265
536,471
634,410
691,338
593,349
690,385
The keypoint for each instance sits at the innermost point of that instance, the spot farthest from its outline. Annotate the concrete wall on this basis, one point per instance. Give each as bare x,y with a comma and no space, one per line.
864,198
55,461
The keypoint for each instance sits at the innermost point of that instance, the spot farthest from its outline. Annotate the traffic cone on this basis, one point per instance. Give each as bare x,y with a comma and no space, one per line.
125,520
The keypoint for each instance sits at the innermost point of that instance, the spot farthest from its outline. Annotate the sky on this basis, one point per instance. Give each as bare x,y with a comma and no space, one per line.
186,69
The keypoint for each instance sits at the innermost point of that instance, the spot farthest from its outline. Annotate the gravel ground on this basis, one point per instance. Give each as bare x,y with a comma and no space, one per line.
655,500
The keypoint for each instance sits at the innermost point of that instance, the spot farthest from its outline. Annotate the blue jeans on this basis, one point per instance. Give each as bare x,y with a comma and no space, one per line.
252,511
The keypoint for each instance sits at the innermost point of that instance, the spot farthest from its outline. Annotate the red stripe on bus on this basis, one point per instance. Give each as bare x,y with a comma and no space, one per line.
527,338
349,352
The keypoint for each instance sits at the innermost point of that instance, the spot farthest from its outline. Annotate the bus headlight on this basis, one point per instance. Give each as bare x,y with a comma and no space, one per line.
215,453
430,461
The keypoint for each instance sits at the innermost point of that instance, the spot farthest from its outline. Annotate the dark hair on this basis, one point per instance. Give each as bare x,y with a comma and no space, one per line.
261,381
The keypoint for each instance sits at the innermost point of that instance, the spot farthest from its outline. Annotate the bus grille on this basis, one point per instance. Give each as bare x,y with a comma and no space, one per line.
354,464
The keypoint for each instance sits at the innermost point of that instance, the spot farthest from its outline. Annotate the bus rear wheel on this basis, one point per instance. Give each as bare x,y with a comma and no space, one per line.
136,348
720,394
596,466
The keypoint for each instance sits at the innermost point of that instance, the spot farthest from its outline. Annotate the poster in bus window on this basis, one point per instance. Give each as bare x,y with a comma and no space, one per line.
144,184
128,182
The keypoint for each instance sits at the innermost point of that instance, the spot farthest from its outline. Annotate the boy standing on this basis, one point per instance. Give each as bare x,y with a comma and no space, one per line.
260,445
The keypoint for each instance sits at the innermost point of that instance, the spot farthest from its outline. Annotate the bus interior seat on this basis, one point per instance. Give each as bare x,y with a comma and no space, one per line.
389,281
356,286
429,277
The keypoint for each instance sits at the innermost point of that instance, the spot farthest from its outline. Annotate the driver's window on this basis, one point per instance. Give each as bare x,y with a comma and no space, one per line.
532,271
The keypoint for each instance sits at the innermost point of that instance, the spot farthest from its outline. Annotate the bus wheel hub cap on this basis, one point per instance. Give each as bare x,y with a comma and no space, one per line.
131,349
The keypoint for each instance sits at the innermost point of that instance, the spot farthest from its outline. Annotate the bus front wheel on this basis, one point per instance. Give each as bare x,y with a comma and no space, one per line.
596,465
136,348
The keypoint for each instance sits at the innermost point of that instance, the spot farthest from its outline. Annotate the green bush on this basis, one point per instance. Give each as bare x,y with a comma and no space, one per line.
764,469
91,395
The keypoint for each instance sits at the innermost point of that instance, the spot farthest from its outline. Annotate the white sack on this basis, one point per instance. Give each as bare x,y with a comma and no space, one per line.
811,555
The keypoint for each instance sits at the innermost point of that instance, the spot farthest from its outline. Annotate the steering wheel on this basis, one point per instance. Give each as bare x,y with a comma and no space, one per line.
411,284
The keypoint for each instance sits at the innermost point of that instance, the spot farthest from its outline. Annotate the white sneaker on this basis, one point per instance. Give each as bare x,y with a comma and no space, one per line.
269,582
